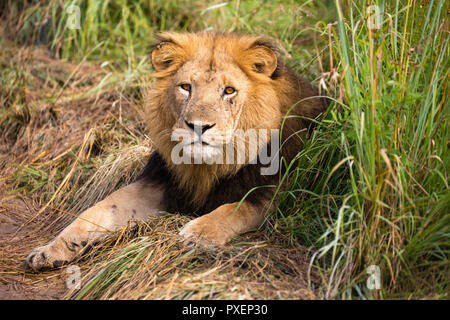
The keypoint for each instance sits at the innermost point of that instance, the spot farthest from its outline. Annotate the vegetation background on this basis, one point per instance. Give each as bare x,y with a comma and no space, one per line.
370,188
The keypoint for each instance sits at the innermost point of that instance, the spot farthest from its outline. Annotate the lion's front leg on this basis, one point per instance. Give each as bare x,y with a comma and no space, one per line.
223,224
136,201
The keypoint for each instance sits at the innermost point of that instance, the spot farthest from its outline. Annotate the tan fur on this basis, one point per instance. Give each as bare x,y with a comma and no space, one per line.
222,224
267,91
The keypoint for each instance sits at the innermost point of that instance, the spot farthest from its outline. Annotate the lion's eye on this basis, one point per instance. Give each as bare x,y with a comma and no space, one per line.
229,90
186,86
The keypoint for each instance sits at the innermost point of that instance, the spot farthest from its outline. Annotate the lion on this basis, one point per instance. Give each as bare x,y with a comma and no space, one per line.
208,86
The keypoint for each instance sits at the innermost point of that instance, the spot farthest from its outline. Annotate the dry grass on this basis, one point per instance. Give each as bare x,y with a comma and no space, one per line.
149,262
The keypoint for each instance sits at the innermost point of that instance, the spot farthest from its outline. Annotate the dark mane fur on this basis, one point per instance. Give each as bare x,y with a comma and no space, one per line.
226,190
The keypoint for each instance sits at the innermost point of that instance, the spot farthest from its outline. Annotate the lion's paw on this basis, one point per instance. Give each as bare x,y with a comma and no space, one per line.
203,231
44,258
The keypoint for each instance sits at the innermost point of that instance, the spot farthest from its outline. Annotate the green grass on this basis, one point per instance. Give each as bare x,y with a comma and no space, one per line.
371,185
379,164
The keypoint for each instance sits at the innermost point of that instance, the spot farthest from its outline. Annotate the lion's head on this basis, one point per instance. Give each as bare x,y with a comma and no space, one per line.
211,85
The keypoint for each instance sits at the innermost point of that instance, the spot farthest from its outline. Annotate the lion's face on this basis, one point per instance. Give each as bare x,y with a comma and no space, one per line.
214,86
208,104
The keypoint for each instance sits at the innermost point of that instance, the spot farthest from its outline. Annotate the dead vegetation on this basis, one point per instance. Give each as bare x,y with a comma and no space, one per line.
149,262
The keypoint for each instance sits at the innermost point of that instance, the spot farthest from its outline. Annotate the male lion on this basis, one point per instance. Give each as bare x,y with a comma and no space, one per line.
208,86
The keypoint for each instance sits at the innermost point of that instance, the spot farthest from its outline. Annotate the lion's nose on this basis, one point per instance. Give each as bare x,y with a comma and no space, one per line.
199,127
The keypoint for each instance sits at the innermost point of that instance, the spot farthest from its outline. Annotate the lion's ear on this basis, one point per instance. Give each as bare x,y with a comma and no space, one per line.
166,53
262,57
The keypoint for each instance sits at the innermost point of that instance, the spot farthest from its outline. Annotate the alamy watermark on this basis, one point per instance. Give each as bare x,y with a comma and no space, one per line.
374,280
73,19
239,147
73,281
374,17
